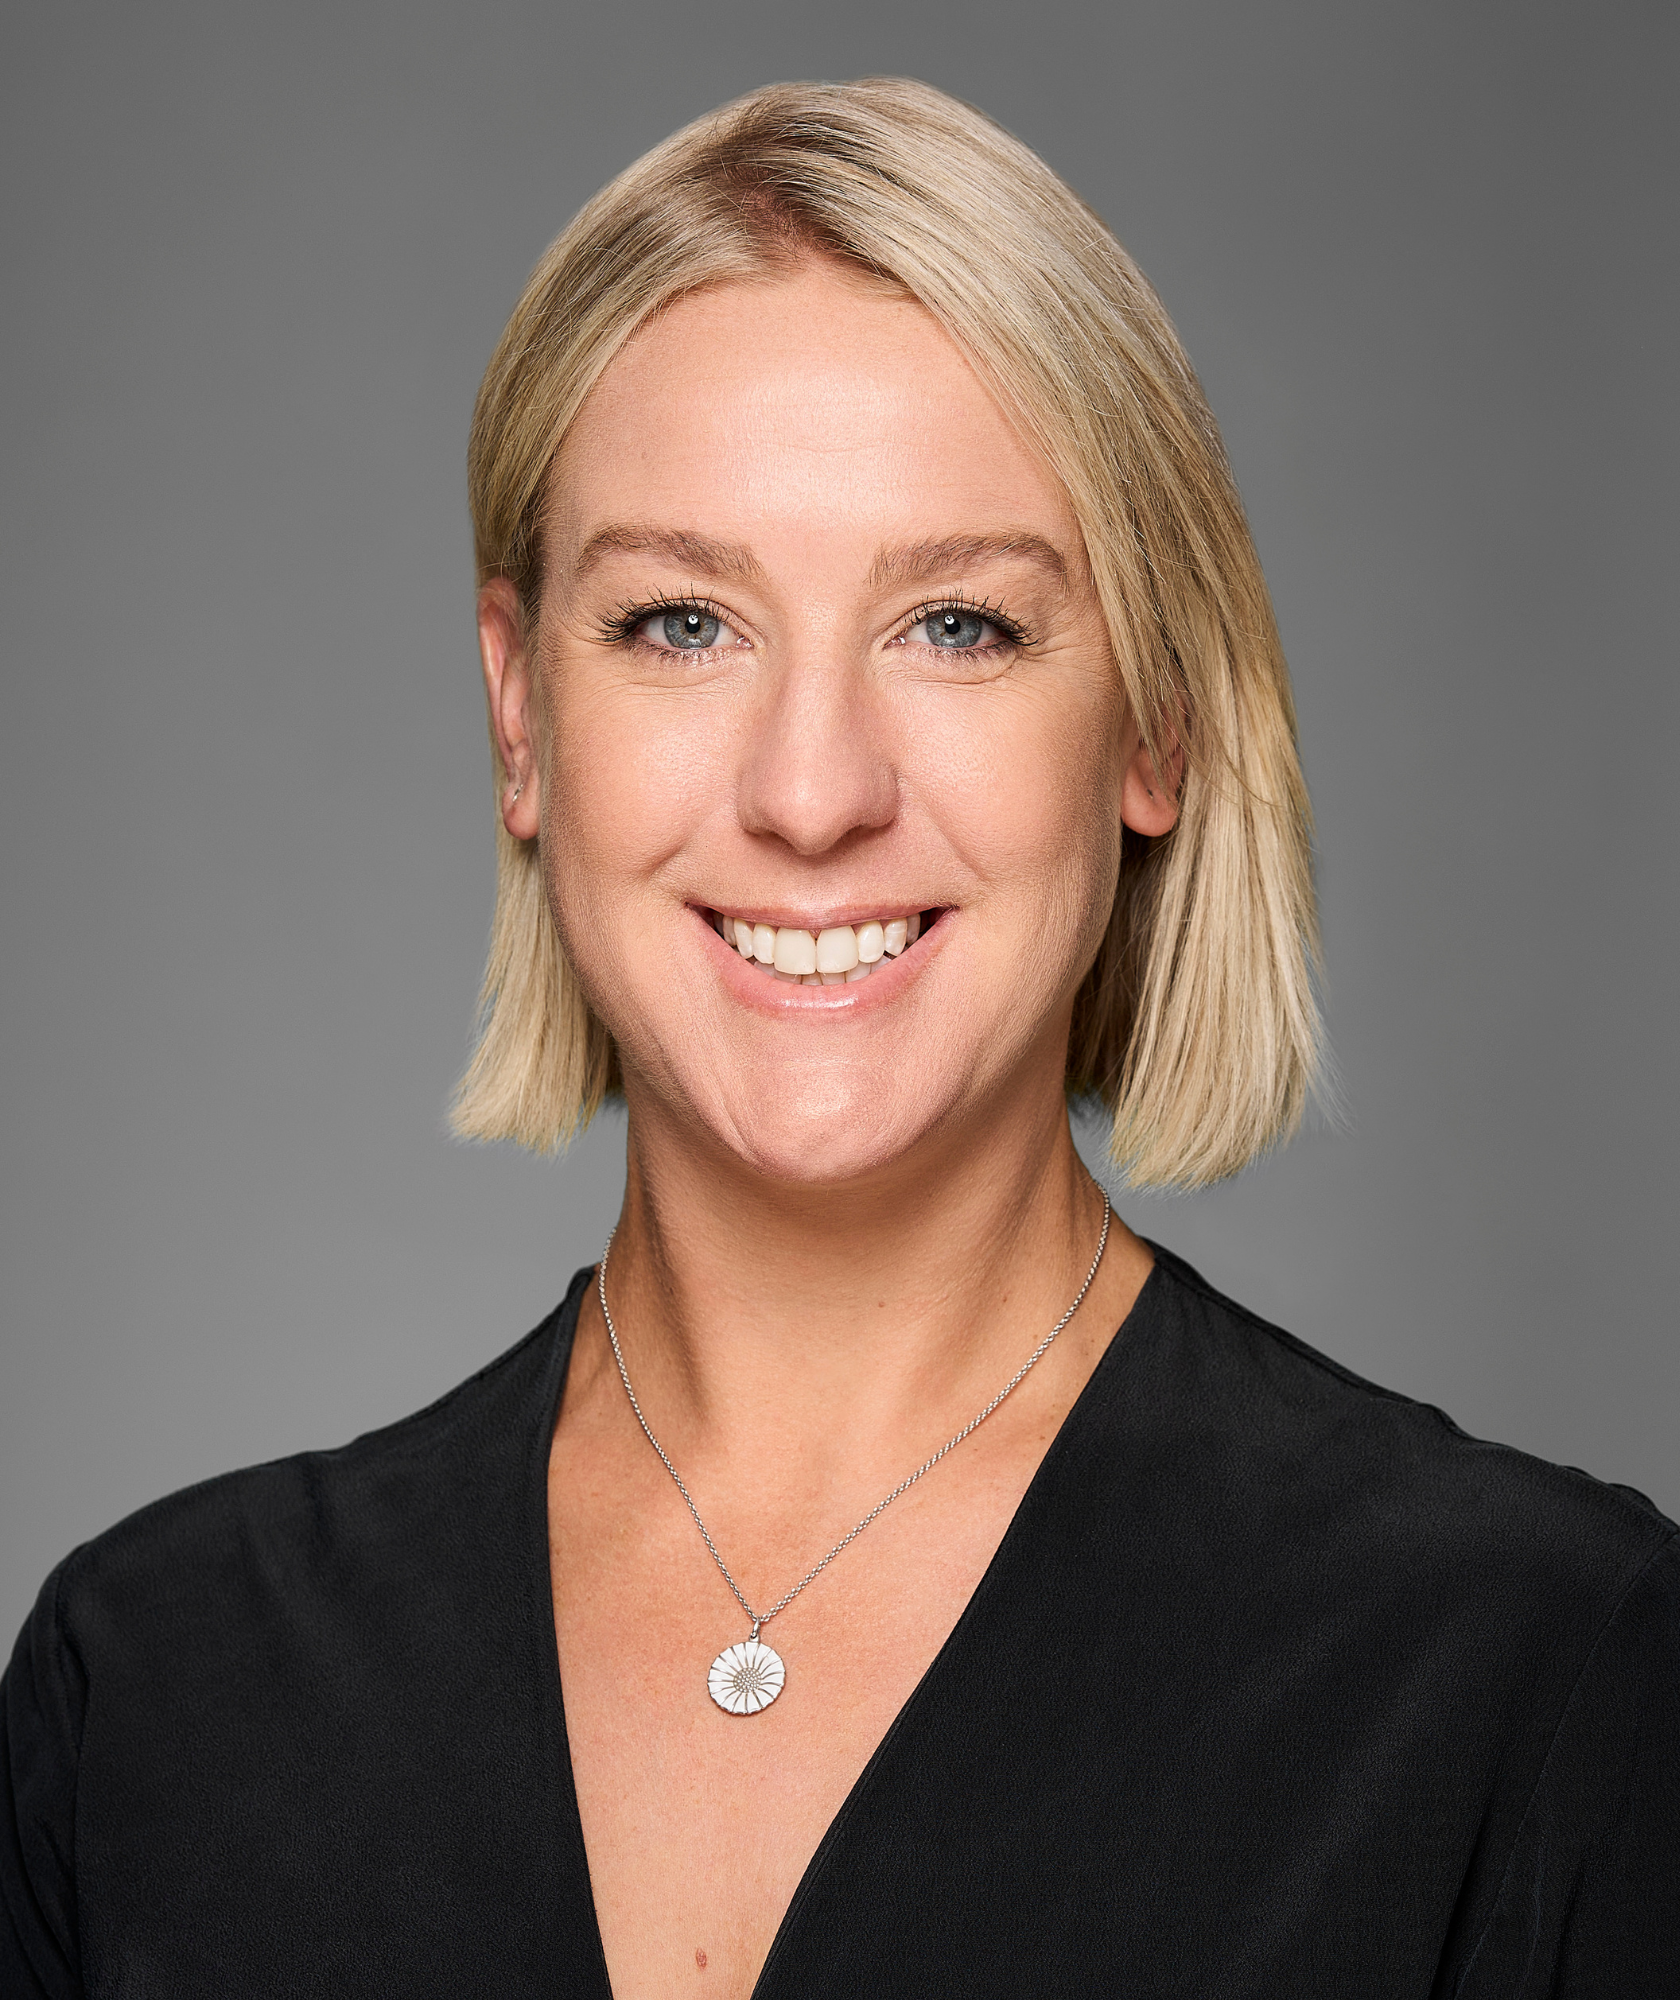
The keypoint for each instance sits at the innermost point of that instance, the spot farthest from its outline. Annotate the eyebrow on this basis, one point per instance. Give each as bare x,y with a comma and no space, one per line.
699,554
921,562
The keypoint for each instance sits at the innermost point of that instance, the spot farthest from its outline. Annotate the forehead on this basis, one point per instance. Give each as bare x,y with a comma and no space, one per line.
810,402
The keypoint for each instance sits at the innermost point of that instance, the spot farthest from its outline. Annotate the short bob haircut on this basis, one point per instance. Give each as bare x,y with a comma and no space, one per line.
1196,1024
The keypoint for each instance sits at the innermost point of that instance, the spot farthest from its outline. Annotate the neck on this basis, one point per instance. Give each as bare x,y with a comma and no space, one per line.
804,1322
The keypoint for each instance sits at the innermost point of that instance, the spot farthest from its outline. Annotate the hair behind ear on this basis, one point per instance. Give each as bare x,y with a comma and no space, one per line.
542,1064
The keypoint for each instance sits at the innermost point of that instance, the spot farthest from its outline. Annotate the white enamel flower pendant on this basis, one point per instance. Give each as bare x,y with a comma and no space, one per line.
746,1678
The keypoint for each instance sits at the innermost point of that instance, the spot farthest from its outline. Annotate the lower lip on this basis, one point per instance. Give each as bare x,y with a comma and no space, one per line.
749,983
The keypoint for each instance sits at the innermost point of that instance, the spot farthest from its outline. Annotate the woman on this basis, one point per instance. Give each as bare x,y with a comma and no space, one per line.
884,1573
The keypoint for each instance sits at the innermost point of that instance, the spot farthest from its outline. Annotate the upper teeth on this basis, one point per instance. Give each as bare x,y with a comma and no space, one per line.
820,958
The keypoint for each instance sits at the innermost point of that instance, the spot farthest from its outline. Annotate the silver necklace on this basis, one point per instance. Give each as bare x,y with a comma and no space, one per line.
747,1677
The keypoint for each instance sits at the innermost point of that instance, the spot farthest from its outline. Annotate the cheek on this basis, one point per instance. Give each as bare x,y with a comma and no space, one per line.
630,775
1025,784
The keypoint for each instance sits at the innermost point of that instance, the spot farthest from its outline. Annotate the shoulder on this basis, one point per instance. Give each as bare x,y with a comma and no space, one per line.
263,1525
290,1632
190,1586
1330,1461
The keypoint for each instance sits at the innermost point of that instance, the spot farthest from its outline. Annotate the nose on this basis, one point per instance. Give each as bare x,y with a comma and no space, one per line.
818,766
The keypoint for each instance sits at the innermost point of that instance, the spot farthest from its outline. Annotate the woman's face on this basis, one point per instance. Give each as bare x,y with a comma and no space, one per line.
819,656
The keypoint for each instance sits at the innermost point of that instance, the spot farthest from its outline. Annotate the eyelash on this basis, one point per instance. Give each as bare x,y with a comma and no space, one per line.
622,625
1013,634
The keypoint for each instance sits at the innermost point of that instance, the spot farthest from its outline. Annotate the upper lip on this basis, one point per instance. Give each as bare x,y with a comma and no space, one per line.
851,914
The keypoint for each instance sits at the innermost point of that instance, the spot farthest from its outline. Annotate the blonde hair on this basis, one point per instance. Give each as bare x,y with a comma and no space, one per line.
1196,1024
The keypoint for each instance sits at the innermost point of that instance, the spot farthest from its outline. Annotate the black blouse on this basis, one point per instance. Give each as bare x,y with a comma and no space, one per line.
1277,1684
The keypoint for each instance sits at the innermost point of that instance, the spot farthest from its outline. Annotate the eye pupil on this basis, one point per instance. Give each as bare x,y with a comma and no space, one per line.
690,631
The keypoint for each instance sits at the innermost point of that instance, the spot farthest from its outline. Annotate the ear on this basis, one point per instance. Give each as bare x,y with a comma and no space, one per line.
509,682
1149,797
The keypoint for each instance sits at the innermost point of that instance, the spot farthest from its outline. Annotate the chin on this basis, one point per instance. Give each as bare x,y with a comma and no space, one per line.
821,1143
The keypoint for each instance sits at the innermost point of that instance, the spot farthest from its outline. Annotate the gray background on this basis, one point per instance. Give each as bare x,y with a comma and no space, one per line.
254,262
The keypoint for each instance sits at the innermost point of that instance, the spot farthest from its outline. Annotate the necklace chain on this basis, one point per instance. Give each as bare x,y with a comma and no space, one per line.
761,1618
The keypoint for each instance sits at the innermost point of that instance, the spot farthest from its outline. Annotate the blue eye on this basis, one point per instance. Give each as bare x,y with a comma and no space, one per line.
679,628
953,628
963,629
689,630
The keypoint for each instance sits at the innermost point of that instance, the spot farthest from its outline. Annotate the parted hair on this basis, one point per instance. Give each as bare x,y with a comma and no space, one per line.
1196,1025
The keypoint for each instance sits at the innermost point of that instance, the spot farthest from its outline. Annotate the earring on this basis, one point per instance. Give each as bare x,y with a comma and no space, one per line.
516,791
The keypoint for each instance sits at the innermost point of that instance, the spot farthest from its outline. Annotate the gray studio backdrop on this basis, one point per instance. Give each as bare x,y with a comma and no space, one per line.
254,260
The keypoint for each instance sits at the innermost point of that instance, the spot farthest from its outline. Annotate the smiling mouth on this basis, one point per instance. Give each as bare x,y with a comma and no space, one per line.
840,956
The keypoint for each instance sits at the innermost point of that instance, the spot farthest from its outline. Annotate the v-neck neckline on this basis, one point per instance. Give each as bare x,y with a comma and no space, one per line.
956,1640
